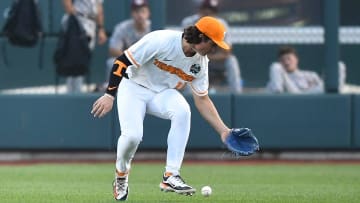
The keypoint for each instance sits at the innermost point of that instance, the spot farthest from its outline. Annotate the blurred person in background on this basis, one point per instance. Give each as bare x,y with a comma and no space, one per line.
221,61
91,17
286,76
126,33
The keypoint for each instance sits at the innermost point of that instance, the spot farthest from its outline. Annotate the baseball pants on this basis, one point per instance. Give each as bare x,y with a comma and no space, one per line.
133,102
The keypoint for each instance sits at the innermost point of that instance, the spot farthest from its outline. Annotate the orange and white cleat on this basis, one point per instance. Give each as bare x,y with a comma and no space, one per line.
121,187
176,184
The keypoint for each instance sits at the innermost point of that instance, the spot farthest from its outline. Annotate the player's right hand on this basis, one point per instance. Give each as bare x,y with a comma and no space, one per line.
102,105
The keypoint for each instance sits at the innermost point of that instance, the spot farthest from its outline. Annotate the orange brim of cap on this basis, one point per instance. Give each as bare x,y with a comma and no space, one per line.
222,44
213,29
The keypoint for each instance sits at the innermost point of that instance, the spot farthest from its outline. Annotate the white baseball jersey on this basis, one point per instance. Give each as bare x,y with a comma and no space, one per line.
160,63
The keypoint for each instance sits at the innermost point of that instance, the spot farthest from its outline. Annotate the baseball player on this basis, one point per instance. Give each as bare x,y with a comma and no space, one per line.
145,79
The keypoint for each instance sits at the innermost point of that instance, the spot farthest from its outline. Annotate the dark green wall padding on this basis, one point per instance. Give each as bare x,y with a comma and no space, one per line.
64,122
356,122
288,121
52,122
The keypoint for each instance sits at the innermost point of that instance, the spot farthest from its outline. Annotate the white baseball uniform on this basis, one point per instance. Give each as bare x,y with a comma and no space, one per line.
160,66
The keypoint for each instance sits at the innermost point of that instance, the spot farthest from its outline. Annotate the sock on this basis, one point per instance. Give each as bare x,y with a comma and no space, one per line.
120,174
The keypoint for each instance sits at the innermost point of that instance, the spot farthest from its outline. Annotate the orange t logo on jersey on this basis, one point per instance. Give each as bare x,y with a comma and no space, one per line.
173,70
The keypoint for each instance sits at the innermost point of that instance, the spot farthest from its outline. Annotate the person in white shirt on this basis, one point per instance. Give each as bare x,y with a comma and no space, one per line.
286,77
91,17
146,78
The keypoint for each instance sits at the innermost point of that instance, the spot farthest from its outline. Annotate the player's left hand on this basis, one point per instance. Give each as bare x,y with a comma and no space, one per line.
242,142
102,106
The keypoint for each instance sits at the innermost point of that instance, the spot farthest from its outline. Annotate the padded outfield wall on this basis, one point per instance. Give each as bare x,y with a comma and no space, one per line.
64,122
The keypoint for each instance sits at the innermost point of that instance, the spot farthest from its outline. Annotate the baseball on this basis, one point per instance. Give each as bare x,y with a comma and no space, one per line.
206,191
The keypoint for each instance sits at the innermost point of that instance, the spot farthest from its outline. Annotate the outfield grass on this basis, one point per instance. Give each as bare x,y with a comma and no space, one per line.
230,183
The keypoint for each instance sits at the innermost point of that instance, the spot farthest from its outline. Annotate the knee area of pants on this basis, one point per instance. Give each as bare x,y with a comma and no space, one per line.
133,139
182,113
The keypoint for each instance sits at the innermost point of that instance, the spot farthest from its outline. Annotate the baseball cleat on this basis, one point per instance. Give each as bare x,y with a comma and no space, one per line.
121,188
176,184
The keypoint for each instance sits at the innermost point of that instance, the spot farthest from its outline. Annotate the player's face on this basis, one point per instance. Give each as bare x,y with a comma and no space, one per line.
205,47
289,62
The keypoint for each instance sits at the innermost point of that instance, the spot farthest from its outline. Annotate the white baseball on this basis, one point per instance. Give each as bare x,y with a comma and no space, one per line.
206,191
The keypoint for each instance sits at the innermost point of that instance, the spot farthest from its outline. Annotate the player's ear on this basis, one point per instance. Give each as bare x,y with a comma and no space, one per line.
202,37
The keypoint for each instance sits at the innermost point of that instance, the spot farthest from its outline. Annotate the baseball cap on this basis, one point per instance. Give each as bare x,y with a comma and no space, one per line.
213,29
138,3
211,4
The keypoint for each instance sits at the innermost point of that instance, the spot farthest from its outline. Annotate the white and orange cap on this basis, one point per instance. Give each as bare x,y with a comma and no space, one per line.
213,29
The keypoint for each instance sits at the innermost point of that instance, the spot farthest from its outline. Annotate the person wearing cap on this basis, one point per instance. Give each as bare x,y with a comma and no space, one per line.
90,14
126,33
222,61
145,79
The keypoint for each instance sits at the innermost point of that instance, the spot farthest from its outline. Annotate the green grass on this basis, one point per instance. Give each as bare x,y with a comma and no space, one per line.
230,183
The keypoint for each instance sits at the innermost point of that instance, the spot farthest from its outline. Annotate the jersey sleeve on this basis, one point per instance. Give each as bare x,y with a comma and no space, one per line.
144,50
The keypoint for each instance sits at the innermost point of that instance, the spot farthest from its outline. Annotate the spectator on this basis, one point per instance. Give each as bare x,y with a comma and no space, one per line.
91,17
136,27
286,76
220,59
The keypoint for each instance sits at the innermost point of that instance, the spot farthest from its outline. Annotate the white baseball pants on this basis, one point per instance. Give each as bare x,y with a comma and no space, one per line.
133,101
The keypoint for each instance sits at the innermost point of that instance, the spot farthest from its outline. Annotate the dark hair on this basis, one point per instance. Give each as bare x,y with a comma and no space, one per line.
286,50
193,35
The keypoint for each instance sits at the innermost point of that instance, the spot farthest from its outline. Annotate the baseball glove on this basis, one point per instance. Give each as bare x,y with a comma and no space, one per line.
242,142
